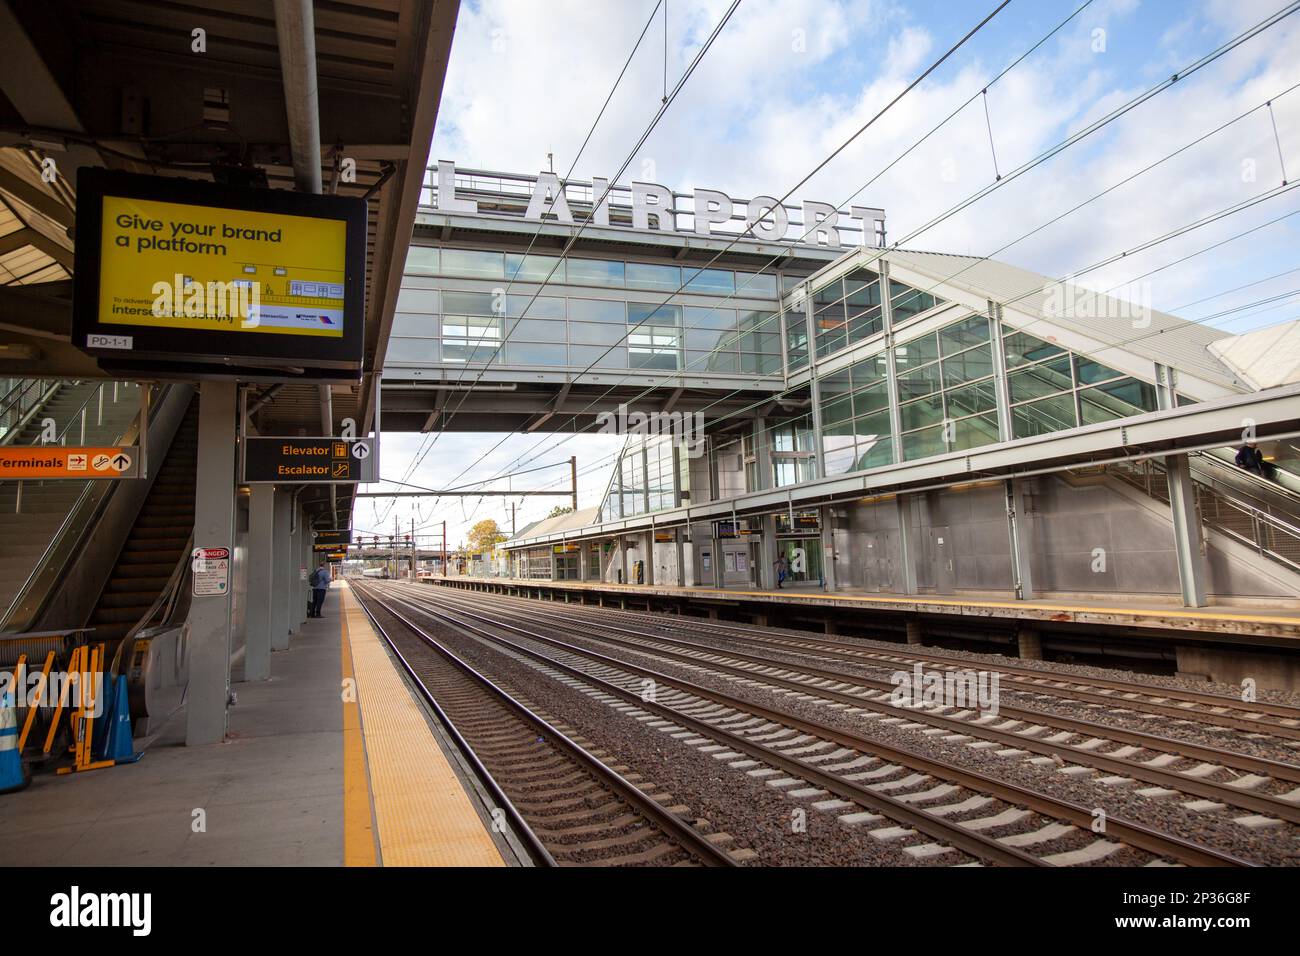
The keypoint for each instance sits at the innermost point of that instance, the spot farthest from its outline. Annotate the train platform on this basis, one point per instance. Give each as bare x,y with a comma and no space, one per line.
1266,626
331,762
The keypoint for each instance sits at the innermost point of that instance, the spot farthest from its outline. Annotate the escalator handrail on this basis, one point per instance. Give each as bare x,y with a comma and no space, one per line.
1242,474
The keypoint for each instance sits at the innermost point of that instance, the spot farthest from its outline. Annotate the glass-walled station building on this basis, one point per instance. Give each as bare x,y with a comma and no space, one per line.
834,414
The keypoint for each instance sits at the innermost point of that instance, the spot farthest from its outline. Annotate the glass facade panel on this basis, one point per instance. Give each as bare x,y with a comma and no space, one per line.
533,330
469,303
906,303
975,431
528,353
709,281
474,263
917,382
535,307
964,334
1022,349
643,276
601,272
583,356
704,318
928,411
639,313
423,259
1118,399
585,333
1037,381
410,323
1044,416
967,366
969,399
521,268
916,351
924,443
417,300
1089,372
759,284
597,310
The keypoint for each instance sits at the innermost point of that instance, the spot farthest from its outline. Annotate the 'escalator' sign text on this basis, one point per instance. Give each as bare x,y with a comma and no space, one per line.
305,460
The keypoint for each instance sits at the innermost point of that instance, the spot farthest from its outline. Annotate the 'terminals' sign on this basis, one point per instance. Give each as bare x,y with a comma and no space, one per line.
57,461
306,460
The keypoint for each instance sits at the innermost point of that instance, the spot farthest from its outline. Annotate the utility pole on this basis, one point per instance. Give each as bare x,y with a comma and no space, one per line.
396,535
573,478
512,519
414,576
444,549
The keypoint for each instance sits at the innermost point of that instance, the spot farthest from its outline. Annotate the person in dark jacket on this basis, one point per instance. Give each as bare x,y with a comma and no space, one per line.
1251,458
320,582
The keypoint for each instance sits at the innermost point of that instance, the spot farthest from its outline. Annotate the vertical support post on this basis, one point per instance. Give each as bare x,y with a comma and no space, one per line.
828,547
1187,530
767,577
891,374
1022,576
915,635
261,590
1000,388
214,527
1029,643
573,479
305,549
286,559
650,558
906,558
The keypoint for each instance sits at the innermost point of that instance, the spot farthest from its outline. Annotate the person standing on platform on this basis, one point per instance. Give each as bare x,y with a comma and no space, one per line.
320,582
782,568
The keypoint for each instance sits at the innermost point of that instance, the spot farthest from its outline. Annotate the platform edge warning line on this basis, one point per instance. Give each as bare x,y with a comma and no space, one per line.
423,815
360,848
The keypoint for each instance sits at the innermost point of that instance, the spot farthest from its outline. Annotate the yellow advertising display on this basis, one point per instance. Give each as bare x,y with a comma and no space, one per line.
173,265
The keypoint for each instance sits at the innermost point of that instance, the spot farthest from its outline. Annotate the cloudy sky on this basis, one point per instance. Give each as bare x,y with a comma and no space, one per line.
788,81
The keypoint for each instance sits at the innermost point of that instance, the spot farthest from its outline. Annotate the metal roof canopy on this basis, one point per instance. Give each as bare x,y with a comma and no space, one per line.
119,83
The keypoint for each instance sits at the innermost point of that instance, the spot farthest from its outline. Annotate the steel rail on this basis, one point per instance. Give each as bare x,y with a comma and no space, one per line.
537,852
858,652
1261,803
673,827
1134,834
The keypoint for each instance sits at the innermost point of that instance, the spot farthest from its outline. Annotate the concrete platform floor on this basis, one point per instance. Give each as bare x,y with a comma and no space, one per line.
273,794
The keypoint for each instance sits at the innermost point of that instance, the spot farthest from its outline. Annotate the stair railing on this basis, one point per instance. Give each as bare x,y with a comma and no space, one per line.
1269,536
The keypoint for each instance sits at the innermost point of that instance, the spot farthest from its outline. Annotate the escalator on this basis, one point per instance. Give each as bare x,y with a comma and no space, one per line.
156,542
1264,515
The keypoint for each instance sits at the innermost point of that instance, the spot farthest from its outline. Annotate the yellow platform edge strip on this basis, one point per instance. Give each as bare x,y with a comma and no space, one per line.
1195,615
422,813
359,847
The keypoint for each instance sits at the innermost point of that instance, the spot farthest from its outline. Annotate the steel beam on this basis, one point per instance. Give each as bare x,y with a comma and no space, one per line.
1187,530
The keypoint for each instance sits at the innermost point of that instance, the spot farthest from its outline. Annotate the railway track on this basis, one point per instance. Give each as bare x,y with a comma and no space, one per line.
562,801
1263,787
1260,717
901,794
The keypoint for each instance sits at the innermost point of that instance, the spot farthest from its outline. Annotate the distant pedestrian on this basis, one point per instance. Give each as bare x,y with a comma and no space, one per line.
1251,459
320,582
782,569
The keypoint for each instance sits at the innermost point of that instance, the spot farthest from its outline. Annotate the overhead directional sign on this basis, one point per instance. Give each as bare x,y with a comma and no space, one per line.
306,460
57,461
332,540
